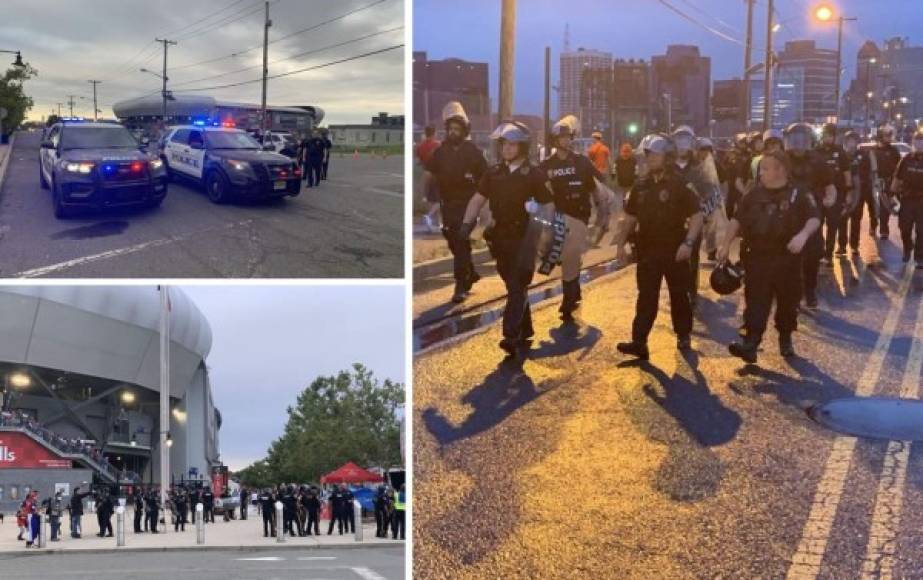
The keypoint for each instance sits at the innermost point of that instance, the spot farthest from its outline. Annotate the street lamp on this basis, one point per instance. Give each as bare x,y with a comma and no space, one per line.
825,13
144,70
17,62
20,380
128,397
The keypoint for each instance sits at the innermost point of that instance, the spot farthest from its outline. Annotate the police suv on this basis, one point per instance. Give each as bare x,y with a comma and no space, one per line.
98,165
228,163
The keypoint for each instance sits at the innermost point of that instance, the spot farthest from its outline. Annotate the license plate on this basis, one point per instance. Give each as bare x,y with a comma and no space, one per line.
279,185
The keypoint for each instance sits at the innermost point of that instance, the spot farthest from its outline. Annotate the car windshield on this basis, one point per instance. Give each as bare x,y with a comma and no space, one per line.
97,138
230,140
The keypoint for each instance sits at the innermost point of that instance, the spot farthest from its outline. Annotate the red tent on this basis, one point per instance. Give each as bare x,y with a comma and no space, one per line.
350,473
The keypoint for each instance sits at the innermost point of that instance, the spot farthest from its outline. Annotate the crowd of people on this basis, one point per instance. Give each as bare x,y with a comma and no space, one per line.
793,200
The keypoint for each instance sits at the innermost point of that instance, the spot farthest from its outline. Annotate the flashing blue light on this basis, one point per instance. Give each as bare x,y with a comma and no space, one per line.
108,168
199,123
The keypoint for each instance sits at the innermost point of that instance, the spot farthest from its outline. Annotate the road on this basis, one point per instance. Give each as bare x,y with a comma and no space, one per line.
353,564
576,462
351,227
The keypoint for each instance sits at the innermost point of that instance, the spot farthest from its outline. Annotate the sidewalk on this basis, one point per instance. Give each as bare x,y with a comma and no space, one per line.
221,535
4,157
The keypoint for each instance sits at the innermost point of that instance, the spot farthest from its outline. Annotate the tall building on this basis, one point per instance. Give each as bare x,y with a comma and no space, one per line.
801,62
436,82
583,87
895,79
631,98
681,81
726,100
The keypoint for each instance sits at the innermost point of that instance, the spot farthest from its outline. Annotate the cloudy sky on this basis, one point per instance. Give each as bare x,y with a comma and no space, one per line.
642,28
110,40
270,342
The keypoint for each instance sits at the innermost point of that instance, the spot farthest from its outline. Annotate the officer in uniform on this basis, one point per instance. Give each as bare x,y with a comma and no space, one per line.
809,173
288,511
908,185
312,505
852,217
381,512
575,184
348,513
328,148
268,510
336,510
777,220
838,167
661,206
152,502
312,156
876,172
457,167
139,508
208,505
508,186
181,507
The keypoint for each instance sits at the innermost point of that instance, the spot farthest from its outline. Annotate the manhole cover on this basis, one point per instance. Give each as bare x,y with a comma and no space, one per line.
875,418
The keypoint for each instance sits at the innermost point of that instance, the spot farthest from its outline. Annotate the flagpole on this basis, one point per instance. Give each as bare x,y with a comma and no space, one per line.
164,392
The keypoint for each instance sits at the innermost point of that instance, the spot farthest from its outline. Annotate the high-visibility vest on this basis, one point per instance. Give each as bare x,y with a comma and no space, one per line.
399,502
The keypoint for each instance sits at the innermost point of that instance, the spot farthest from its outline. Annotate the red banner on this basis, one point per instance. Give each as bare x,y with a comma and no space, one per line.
19,451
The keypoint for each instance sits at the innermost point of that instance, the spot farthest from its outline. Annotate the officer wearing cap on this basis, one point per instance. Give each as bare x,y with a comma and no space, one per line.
852,218
838,165
908,186
576,184
508,186
457,167
809,173
876,173
661,206
776,220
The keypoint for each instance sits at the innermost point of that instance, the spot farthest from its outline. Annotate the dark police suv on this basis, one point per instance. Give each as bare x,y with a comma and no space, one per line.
228,162
98,165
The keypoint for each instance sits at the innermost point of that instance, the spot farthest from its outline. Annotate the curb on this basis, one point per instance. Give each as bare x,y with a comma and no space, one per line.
5,163
424,270
196,548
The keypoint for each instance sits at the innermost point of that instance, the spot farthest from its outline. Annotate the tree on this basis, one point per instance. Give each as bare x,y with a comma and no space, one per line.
347,417
13,98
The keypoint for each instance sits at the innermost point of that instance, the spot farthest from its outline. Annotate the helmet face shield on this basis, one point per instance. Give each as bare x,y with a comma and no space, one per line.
511,132
797,141
684,142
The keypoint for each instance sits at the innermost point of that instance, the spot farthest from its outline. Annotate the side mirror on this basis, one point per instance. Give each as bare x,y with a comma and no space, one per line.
47,145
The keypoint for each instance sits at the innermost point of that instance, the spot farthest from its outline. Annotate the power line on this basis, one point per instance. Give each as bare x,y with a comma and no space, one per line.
190,25
280,39
294,72
294,56
700,24
240,15
695,7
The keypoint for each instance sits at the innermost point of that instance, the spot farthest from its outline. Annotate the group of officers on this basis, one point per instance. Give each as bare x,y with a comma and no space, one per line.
792,200
313,155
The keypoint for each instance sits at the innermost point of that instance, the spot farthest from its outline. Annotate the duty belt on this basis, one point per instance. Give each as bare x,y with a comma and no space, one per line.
558,232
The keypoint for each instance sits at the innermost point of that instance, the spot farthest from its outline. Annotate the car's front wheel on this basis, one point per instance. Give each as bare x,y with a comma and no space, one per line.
217,187
61,211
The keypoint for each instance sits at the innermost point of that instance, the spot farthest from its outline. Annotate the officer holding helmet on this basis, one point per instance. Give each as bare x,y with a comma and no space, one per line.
457,167
876,172
908,185
838,166
776,220
661,206
852,218
575,184
809,174
508,186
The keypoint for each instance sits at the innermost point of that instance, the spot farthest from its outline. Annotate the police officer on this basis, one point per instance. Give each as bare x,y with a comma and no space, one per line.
809,173
381,512
876,173
336,510
457,167
660,205
208,505
288,511
508,186
908,186
268,510
104,509
852,217
575,184
152,503
181,507
244,502
348,513
139,509
777,220
328,148
838,167
312,158
312,505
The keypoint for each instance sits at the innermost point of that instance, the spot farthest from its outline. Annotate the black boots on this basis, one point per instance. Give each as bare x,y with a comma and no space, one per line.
571,300
786,348
635,349
745,349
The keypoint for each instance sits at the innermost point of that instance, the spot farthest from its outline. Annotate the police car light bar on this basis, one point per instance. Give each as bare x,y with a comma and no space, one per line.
199,123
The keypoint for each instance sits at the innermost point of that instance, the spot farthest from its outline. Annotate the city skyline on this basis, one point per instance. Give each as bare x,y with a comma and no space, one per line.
541,26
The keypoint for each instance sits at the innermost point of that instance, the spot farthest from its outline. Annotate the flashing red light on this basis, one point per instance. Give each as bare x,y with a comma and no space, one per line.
137,167
228,124
297,172
283,174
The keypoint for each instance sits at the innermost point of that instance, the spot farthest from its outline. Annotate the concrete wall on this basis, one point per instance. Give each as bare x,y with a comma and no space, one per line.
15,481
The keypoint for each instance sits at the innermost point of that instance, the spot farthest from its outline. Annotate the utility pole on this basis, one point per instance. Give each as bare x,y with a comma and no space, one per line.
166,43
546,119
59,109
748,62
767,81
70,103
95,108
839,62
267,24
507,43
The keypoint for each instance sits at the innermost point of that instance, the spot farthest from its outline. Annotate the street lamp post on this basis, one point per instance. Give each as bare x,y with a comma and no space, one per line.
825,13
17,62
767,77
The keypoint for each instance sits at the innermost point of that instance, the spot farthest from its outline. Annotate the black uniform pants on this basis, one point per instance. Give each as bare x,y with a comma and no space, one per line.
180,523
313,521
349,519
153,520
243,510
138,515
397,525
105,524
830,218
453,214
910,219
517,316
811,255
288,518
733,198
652,268
269,527
326,164
336,517
208,511
381,523
772,277
312,171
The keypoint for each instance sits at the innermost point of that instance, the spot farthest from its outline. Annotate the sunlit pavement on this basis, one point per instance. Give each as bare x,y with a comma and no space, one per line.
350,227
577,462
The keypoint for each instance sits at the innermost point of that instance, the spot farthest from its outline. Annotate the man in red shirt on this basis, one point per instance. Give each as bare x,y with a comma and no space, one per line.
425,150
